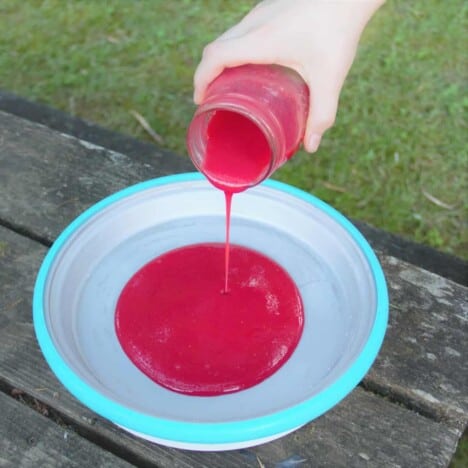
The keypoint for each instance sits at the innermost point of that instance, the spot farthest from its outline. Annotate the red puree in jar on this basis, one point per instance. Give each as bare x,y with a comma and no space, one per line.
178,326
237,152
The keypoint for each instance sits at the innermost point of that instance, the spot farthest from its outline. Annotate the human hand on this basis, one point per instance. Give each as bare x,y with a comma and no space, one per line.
316,38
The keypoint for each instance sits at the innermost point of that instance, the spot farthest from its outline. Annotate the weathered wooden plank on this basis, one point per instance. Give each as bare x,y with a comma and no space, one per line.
430,259
89,131
28,439
47,179
148,161
424,359
364,430
441,263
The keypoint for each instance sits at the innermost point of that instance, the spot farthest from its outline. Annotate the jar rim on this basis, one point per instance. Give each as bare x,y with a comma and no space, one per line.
248,107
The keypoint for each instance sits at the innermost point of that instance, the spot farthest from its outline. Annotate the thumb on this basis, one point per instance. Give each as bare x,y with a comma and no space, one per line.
323,104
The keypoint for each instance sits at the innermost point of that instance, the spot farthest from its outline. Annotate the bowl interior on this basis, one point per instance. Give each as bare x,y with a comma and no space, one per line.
90,270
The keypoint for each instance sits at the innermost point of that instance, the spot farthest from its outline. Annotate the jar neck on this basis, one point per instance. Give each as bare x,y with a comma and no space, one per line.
260,115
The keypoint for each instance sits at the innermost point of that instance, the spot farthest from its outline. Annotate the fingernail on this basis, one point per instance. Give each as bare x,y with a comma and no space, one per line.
314,142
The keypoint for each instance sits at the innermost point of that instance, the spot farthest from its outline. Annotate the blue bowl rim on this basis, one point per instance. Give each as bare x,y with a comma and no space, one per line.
211,433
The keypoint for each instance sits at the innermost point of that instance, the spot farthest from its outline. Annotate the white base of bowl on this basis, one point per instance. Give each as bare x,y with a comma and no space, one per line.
208,447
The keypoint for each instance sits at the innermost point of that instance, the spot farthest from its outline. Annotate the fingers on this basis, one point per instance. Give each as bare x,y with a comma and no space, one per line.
226,51
216,57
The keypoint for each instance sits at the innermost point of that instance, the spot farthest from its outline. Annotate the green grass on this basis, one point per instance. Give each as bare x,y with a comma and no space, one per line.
460,460
398,139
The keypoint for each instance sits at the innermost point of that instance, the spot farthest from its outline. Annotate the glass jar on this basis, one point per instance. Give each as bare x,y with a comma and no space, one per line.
251,121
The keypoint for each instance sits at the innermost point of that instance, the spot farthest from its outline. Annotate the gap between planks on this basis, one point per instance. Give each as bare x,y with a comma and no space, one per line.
25,232
61,419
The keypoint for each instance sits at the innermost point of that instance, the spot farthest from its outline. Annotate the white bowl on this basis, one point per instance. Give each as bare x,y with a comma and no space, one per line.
339,278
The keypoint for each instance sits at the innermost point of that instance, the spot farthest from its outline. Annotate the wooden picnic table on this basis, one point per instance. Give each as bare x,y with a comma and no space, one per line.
409,411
